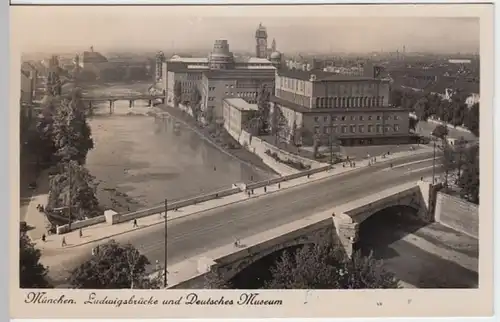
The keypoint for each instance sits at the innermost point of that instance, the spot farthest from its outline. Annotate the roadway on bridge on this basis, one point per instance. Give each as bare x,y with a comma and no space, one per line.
188,237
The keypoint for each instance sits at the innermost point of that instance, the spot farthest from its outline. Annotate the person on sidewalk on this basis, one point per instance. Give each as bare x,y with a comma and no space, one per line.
80,233
237,242
43,238
63,242
265,189
134,225
279,185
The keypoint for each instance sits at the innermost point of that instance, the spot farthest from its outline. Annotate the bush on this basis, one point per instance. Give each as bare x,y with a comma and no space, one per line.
292,163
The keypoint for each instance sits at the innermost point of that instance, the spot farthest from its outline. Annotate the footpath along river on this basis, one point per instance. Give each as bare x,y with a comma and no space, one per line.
140,160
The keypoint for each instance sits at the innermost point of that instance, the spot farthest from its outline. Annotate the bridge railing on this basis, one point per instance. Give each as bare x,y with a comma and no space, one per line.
128,216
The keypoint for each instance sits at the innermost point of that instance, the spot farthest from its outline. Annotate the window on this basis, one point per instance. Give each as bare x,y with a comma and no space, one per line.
353,118
343,118
379,128
334,129
227,86
361,128
325,119
316,119
387,117
317,101
325,129
396,128
396,117
334,118
226,93
344,129
387,128
316,129
370,117
353,128
361,117
378,117
370,128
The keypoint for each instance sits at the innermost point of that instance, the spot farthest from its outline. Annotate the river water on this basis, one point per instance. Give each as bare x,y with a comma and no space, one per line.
139,160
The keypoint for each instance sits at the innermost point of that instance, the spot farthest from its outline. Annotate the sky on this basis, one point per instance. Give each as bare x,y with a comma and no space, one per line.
320,29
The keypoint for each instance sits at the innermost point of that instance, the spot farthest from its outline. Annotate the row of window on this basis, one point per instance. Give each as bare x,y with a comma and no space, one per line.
357,129
346,102
354,117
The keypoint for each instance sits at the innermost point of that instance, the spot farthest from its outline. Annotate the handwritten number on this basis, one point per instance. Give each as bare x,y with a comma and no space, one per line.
379,303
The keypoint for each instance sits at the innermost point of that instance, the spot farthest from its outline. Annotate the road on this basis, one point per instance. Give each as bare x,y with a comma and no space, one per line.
196,234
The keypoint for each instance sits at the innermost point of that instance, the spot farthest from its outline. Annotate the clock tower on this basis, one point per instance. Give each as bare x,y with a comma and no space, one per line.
261,42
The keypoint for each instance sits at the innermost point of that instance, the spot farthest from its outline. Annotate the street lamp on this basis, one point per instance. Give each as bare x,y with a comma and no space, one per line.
434,162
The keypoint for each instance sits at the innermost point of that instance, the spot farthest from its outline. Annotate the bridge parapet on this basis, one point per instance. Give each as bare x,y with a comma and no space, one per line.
341,224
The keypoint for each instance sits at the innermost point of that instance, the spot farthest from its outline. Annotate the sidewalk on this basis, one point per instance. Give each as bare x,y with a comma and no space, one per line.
102,231
37,221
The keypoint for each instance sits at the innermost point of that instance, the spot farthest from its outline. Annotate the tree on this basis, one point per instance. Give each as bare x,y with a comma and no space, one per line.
194,103
32,274
469,178
412,123
113,266
325,266
449,162
396,97
72,133
472,119
74,187
264,110
282,130
177,93
440,131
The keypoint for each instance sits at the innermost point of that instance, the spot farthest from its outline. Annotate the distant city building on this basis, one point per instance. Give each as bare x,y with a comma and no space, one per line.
237,114
355,109
459,61
220,75
160,58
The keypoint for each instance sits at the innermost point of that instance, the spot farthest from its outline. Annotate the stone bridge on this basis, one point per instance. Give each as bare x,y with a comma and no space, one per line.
341,224
127,97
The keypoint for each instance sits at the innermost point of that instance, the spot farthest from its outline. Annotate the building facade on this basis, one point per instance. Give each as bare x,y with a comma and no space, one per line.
237,114
220,75
354,109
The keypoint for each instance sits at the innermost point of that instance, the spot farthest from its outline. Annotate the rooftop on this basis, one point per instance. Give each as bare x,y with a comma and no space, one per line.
93,57
241,104
322,76
240,73
302,109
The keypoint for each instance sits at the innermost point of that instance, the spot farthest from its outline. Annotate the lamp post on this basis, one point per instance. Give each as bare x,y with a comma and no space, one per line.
434,163
165,260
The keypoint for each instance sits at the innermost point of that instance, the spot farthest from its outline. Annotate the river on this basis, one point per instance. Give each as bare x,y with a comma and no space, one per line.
139,160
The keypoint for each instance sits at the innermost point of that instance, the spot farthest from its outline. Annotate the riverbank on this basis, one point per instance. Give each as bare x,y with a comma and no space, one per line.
239,153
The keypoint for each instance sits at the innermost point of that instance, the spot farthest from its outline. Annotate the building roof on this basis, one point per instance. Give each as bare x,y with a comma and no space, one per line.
93,57
322,76
241,104
191,60
239,73
302,109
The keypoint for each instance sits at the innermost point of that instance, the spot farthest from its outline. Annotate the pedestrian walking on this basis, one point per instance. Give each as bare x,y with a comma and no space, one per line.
279,185
265,189
63,241
135,224
253,191
215,168
43,237
248,192
308,175
80,233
